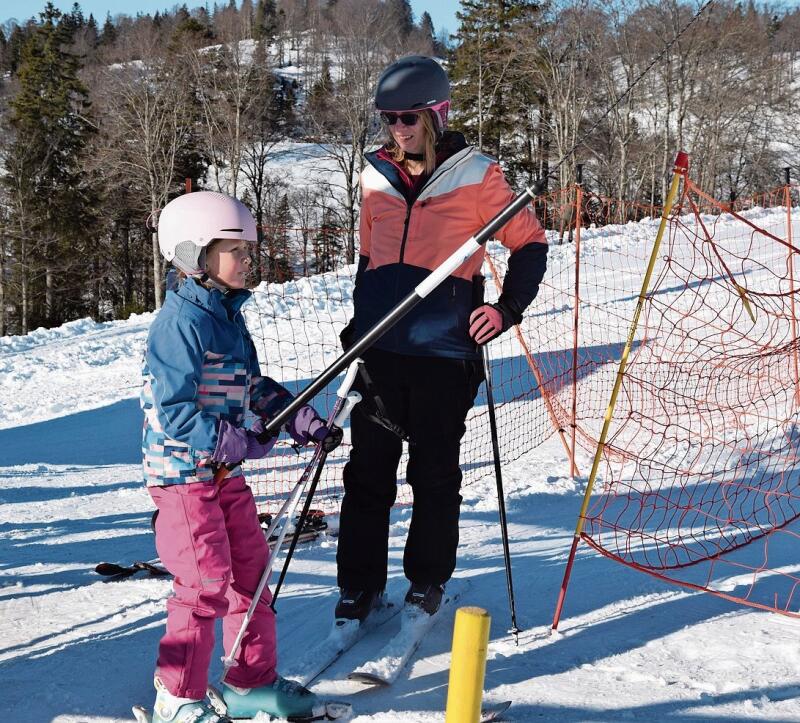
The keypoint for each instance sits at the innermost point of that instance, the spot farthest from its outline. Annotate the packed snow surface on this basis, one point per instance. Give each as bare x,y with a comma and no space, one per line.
76,649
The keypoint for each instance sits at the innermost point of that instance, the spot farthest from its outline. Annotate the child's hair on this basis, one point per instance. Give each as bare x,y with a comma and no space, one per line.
429,152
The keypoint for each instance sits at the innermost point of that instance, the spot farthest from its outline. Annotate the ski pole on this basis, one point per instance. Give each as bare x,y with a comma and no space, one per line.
501,501
343,404
352,399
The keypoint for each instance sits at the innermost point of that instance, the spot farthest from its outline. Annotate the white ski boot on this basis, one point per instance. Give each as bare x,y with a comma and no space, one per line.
169,708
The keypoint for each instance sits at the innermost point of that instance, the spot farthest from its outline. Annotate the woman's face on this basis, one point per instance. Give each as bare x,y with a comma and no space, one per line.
410,138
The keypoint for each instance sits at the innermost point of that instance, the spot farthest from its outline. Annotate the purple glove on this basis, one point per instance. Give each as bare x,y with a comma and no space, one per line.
235,444
306,426
255,449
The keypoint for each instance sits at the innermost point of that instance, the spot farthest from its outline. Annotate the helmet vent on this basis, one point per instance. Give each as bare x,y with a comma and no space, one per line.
238,230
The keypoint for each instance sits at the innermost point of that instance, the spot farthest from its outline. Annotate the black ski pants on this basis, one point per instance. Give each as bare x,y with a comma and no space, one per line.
428,397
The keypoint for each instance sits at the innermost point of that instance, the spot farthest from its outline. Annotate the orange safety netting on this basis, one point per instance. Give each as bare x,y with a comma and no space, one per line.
295,326
702,455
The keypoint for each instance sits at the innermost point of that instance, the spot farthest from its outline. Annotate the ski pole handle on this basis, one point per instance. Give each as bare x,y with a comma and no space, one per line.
348,381
351,400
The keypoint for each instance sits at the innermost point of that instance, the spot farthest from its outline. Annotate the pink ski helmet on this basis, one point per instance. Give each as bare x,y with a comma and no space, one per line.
414,83
189,223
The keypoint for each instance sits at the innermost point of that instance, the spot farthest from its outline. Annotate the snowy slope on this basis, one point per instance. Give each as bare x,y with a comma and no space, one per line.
77,649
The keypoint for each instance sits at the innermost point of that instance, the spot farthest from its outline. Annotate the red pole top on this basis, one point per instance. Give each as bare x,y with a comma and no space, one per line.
681,162
188,185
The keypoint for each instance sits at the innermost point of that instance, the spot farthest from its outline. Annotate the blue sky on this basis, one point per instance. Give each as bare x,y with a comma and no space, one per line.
442,12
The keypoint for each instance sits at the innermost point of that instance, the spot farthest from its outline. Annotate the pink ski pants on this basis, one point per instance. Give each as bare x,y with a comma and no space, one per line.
208,536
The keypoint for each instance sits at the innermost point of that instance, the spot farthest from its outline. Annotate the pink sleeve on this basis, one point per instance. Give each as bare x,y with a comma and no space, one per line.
495,195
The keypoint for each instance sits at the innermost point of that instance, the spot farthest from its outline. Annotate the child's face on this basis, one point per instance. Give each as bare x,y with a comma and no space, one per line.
228,262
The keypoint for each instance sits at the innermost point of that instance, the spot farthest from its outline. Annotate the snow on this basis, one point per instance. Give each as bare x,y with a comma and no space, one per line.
76,649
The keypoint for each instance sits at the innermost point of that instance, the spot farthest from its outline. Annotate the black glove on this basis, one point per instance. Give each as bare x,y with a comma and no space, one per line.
332,439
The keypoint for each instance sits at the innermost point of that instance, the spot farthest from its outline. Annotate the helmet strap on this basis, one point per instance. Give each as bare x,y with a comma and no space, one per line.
207,281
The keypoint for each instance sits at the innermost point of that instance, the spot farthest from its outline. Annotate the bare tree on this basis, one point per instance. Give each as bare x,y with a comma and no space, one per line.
563,58
345,129
227,81
146,125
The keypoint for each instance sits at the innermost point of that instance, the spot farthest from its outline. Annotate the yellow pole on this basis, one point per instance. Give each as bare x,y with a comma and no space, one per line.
680,168
470,641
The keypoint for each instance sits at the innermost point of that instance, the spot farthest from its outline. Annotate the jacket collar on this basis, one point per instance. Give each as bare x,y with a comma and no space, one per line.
449,149
222,305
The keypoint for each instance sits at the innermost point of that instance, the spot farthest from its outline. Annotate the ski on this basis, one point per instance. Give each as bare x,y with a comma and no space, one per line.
415,624
343,635
494,711
112,571
314,527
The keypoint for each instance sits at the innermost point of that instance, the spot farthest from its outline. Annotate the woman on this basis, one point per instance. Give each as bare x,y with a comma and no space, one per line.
424,193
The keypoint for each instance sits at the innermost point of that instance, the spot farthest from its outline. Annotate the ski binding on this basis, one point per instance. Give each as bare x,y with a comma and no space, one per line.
414,626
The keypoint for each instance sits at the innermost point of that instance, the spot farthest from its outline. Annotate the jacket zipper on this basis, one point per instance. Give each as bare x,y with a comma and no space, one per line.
409,206
405,231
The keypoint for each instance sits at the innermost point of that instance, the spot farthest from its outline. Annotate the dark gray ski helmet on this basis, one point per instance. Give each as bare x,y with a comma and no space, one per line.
415,82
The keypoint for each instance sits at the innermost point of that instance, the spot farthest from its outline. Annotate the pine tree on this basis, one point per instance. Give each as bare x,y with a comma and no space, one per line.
50,133
91,26
108,35
401,16
278,243
328,243
74,20
265,20
16,41
321,98
492,90
426,27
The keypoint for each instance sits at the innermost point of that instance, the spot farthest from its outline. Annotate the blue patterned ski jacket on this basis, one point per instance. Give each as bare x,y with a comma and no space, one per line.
200,367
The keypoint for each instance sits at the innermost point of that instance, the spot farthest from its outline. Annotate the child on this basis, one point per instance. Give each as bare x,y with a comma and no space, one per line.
201,375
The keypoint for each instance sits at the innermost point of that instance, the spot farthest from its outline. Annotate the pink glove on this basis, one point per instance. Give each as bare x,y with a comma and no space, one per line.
485,323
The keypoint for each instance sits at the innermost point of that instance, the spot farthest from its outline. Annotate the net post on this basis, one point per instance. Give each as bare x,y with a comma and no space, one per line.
787,193
679,171
534,367
573,470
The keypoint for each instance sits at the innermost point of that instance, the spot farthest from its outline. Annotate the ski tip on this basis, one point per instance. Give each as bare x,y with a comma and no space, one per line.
368,679
141,714
109,568
494,711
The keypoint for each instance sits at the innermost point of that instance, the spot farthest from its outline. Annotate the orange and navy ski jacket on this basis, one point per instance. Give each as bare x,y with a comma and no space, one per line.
407,230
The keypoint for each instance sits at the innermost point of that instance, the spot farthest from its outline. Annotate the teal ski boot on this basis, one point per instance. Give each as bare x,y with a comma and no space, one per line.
283,699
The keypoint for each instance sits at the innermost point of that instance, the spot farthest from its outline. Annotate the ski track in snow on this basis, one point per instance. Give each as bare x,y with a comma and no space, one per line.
76,649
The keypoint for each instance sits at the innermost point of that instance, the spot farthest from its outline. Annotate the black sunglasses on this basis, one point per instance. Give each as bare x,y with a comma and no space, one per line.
408,119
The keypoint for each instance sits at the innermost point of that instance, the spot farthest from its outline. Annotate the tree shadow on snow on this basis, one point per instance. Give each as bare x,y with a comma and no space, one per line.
33,543
108,435
667,710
